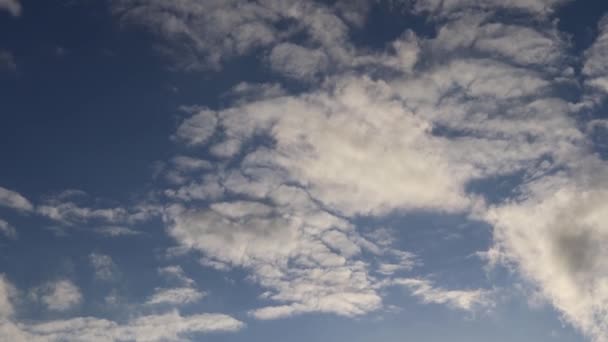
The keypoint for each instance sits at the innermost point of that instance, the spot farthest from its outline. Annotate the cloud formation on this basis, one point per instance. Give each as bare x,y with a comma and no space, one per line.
485,104
176,296
14,200
61,295
168,326
414,127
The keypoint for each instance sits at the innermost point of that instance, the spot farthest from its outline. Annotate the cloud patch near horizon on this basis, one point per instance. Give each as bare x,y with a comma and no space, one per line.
168,326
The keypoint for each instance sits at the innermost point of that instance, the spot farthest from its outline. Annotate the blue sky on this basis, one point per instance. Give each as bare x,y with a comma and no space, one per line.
270,170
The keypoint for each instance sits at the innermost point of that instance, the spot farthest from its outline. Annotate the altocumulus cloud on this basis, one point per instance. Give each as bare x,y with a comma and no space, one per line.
168,326
485,103
275,181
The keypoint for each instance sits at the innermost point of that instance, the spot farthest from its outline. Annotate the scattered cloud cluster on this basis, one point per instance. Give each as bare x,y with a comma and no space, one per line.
61,295
485,104
168,326
288,175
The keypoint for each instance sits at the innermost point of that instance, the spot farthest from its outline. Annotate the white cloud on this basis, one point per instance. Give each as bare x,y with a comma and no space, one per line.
7,293
109,221
519,44
14,200
177,273
168,326
450,7
70,213
198,129
297,61
114,231
595,67
7,229
60,295
103,265
357,146
460,299
285,254
176,296
556,234
479,101
12,6
203,34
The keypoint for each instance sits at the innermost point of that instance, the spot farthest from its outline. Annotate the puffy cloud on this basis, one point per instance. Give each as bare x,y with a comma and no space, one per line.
103,265
168,326
14,200
358,146
7,229
12,6
556,233
480,101
297,61
7,292
60,295
203,34
176,296
176,272
478,34
197,129
284,251
595,67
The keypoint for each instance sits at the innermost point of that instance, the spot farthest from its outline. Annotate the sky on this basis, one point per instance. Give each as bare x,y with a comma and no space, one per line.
304,170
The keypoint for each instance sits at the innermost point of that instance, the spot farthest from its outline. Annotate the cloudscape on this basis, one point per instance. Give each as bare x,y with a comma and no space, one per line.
304,170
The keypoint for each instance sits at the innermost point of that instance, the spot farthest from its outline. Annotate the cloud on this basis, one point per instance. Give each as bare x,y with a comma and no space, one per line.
459,299
70,213
204,34
168,326
176,296
479,102
7,292
556,235
7,230
103,265
286,255
114,231
451,7
14,200
595,67
110,221
297,61
12,6
61,295
360,146
175,272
